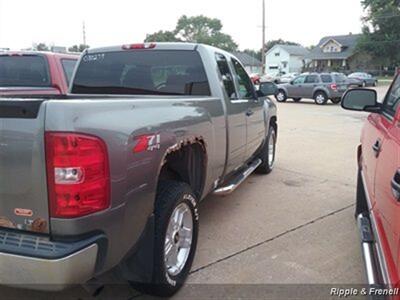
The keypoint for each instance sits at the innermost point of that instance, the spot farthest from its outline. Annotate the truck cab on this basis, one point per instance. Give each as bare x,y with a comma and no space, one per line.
35,73
378,189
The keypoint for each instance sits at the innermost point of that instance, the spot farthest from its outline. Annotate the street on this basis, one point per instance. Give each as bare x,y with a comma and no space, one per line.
294,226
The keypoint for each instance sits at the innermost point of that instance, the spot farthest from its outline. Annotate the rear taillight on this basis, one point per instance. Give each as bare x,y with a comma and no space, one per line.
139,46
78,175
334,86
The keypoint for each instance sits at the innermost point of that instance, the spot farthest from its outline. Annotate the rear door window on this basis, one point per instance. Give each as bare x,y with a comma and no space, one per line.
24,71
68,66
226,75
142,72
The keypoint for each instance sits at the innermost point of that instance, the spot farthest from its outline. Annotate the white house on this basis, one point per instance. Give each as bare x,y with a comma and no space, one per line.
286,58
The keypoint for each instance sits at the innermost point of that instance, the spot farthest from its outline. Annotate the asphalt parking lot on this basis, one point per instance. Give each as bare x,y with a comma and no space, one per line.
294,226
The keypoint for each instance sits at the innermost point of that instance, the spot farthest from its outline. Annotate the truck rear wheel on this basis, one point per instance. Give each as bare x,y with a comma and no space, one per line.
176,231
267,154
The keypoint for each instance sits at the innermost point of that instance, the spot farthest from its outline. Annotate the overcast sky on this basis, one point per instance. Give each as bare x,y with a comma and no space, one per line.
114,22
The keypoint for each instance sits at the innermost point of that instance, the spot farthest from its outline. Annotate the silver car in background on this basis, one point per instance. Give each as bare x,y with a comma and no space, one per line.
362,79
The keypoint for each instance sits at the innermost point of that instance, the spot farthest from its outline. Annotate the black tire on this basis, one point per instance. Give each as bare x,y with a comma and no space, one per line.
281,96
296,99
364,84
267,165
336,100
361,199
170,194
320,98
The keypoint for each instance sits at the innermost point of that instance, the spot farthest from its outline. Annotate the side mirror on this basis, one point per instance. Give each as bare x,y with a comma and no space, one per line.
291,82
361,100
267,89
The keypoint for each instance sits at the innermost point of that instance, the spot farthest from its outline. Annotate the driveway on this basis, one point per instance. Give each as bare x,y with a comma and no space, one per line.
294,226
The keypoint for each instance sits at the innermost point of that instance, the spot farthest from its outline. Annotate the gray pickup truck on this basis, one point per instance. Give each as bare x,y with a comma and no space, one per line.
110,176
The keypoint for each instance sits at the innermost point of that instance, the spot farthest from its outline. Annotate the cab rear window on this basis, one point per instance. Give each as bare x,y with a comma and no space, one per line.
23,71
142,72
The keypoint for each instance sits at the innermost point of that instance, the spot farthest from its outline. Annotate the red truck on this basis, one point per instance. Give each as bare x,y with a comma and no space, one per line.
30,73
378,187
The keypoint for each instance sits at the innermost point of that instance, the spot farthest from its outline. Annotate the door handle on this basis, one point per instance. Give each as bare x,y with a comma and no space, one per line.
377,147
396,185
249,113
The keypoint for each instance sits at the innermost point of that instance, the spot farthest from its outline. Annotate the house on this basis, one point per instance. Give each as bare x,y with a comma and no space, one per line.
250,63
286,59
335,53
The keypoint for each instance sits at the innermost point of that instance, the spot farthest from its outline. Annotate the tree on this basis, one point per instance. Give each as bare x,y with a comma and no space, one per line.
162,36
42,47
270,44
253,53
381,31
198,29
76,48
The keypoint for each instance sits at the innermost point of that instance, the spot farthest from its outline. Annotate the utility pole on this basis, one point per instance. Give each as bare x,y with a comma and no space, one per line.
263,38
84,33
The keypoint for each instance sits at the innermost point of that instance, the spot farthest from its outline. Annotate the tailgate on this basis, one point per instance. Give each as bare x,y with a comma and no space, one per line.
23,194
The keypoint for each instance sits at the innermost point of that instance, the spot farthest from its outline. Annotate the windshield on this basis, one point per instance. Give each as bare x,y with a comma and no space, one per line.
23,71
145,72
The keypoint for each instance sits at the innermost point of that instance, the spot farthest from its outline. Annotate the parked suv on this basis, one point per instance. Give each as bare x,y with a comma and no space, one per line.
320,87
378,188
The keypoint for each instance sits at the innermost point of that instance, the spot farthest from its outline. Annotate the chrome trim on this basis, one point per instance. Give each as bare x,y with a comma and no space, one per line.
236,181
379,251
45,274
367,248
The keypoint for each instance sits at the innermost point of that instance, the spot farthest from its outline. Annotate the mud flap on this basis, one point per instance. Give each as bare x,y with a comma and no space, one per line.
137,266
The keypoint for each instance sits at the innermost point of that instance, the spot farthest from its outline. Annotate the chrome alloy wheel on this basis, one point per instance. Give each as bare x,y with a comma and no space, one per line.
280,96
320,99
271,149
178,239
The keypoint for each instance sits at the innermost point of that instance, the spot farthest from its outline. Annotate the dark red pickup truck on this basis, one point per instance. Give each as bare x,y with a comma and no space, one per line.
378,188
30,73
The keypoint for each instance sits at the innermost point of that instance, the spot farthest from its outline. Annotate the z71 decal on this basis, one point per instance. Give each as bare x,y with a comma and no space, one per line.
148,142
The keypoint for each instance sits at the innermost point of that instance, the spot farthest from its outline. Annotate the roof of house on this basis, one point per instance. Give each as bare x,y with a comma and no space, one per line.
247,59
348,42
292,49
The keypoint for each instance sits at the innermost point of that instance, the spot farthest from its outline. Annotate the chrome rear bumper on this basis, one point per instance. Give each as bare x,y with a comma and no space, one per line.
48,274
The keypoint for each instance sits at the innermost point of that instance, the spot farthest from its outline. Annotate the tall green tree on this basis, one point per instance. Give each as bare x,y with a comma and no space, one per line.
162,36
381,31
198,29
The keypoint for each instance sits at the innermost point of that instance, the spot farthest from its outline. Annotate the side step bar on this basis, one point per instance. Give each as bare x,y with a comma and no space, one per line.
237,179
373,271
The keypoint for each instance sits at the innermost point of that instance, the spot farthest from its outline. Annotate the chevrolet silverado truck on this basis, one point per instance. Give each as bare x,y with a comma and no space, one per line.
35,73
378,187
110,176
